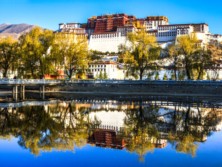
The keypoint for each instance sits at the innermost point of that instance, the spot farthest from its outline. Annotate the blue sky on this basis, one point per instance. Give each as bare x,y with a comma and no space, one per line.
49,13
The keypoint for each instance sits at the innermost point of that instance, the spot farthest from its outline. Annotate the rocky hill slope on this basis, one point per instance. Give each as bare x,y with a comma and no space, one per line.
14,30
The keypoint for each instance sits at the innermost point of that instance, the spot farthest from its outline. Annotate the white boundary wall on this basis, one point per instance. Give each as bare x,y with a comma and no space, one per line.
106,42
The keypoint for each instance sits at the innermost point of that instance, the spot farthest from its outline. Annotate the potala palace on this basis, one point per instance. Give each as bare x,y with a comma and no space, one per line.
107,32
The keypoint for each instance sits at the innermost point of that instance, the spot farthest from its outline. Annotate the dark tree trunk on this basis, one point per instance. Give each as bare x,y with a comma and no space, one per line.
141,74
175,73
187,70
200,73
5,70
70,73
42,70
5,73
32,72
175,119
175,68
187,117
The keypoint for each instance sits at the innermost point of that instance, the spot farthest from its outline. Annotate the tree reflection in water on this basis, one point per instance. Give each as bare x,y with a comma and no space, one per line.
192,126
140,131
66,125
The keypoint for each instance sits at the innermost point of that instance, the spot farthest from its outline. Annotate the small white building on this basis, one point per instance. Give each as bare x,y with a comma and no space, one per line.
110,58
63,26
169,33
152,22
11,74
110,69
214,37
72,28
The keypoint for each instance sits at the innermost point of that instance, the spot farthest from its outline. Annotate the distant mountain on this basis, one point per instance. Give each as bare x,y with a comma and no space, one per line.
14,30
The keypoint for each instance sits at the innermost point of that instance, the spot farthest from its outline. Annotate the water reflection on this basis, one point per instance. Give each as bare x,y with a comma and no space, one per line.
137,127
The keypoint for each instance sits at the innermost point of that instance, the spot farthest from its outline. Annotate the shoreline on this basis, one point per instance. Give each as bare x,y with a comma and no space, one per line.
194,90
129,97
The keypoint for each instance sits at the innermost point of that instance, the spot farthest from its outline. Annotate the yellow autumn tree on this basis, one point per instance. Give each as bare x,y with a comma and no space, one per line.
141,54
73,50
8,54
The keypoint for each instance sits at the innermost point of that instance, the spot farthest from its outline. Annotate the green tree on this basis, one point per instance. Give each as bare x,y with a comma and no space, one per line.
173,76
35,52
95,55
149,75
105,76
157,76
165,77
181,75
100,75
141,54
8,54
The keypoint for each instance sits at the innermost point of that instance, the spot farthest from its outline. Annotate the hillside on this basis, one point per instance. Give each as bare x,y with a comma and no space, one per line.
14,30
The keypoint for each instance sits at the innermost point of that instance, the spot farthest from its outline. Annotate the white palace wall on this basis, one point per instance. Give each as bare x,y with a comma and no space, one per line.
106,42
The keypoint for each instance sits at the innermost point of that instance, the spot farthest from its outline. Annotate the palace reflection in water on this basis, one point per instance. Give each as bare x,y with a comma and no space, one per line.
139,127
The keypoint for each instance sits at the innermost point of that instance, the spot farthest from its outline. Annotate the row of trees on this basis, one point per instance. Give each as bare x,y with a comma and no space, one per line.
188,53
41,52
142,53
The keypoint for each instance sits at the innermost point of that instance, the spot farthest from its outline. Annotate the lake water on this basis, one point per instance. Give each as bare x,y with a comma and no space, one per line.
110,133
